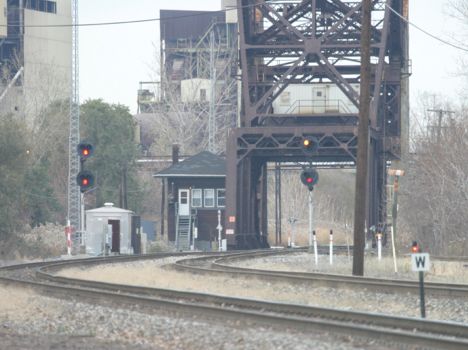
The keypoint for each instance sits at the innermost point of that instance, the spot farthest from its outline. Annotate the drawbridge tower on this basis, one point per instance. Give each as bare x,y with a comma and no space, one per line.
311,49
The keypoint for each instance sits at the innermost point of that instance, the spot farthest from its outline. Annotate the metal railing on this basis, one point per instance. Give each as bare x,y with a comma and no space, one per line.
318,106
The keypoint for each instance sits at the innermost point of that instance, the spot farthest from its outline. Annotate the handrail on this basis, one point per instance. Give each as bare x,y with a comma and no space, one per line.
341,107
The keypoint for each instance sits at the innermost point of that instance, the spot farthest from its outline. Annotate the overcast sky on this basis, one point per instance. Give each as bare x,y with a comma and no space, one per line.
113,59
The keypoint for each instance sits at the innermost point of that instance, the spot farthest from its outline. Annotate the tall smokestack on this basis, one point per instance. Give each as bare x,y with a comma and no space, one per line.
175,153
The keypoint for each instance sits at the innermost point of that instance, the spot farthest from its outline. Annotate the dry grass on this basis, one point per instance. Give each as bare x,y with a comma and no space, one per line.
17,304
341,236
45,241
160,244
441,271
152,274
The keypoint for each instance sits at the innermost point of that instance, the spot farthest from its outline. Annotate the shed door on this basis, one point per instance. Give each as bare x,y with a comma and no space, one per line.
115,235
184,202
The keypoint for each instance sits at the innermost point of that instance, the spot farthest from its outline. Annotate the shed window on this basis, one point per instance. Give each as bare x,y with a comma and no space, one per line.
196,197
208,197
221,197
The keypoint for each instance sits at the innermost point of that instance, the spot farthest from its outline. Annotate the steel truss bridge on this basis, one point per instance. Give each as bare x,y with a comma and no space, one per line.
311,42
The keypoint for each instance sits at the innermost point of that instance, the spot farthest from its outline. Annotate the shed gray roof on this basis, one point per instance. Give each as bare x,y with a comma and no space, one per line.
109,208
204,164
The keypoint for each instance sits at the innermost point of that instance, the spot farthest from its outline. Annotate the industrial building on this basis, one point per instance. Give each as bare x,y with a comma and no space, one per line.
35,60
199,66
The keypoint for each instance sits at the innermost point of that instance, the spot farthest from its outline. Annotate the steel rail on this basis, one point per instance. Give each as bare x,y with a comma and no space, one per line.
150,305
445,328
447,335
374,320
222,266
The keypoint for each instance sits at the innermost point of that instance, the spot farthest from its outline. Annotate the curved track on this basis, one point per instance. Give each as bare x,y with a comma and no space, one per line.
42,277
224,265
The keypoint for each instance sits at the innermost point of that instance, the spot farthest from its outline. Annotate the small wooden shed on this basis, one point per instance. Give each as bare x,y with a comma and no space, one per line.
194,200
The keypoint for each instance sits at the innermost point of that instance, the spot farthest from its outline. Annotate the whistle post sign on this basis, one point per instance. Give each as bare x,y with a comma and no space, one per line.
420,262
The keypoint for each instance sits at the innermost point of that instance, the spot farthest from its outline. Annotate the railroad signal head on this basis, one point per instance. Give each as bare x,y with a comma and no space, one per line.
309,145
309,177
85,179
415,247
85,150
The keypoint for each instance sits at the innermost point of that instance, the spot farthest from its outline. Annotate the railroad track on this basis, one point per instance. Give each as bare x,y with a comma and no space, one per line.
224,265
42,277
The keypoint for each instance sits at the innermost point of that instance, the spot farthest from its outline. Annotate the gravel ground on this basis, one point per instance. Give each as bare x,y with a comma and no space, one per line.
441,271
32,321
151,274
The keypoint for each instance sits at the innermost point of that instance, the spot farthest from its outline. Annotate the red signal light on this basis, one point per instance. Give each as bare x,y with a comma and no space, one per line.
85,150
85,180
309,177
415,247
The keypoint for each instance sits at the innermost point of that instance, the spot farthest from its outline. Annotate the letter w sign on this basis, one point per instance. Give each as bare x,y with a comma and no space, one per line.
420,262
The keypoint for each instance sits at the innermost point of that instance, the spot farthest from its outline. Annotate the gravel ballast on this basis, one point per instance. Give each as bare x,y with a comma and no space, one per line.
151,274
29,320
32,321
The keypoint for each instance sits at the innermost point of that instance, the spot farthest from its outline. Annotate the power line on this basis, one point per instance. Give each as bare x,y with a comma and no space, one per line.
157,19
135,21
427,33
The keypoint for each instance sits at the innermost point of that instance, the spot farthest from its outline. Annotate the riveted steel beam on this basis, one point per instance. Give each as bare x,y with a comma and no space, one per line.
283,43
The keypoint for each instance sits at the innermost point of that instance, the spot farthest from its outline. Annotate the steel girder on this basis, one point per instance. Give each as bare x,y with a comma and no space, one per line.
309,42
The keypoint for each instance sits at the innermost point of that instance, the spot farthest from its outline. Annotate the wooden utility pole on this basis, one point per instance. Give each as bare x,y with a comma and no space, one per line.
123,189
363,144
440,113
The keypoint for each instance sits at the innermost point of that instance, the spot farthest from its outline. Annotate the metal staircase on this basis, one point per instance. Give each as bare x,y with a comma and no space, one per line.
183,233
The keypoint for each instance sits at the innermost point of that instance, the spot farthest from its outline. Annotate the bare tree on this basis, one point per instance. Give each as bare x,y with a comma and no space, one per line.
182,113
39,99
458,10
435,191
37,86
333,199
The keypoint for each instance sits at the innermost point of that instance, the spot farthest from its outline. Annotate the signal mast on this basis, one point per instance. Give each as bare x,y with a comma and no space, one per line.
74,196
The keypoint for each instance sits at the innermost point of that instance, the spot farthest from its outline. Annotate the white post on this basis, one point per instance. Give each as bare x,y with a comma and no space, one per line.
293,241
365,235
393,249
219,228
68,232
331,247
194,235
292,238
108,239
347,240
315,248
379,246
311,213
82,223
